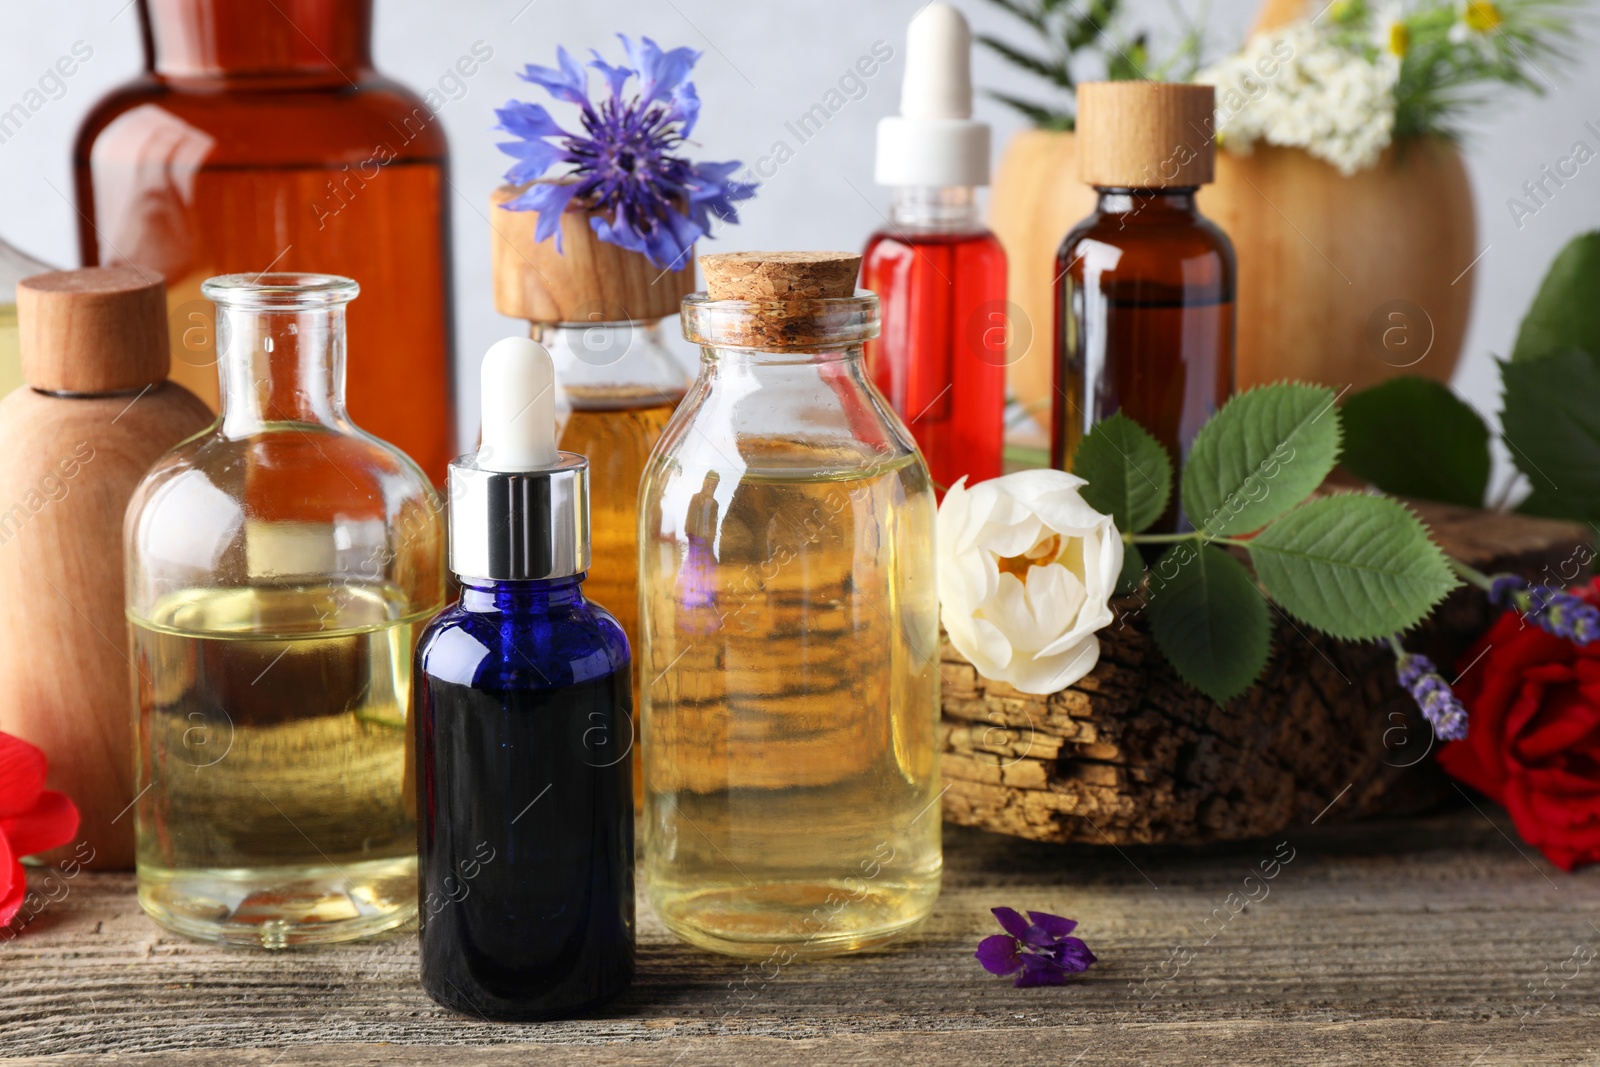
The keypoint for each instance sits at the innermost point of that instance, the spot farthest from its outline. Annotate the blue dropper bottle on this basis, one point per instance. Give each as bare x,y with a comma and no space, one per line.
524,731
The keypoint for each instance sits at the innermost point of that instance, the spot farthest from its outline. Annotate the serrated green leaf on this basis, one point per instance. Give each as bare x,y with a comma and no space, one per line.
1565,314
1413,437
1209,620
1353,566
1262,454
1551,425
1129,473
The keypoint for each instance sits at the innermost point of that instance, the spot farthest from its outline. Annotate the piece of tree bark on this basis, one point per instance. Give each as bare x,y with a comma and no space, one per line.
1133,755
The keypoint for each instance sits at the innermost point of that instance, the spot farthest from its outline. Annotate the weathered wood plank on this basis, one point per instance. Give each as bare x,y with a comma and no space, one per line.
1407,941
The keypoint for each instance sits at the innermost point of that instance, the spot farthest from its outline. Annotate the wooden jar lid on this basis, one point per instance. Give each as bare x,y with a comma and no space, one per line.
1146,135
589,280
768,277
94,330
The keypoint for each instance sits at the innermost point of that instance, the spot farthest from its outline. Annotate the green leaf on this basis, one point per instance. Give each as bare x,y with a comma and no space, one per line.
1132,571
1551,425
1262,454
1129,474
1353,566
1209,619
1565,314
1052,71
1041,115
1414,437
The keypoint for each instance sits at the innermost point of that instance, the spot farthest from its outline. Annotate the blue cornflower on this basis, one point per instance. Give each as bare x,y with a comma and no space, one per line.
625,166
1551,610
1037,952
1433,695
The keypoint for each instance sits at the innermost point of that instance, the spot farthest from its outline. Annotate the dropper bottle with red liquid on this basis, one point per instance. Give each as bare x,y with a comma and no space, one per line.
940,275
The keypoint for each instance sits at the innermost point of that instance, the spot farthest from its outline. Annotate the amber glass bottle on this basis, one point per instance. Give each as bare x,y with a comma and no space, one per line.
261,138
1145,285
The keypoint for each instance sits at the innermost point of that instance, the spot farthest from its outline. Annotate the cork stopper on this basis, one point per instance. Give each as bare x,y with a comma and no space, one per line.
589,280
780,277
781,301
1146,135
95,330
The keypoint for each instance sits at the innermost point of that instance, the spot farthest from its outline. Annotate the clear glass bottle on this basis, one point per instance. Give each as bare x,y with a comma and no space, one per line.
789,634
279,566
618,385
261,137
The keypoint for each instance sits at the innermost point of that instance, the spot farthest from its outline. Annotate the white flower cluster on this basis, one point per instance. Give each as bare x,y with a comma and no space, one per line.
1300,88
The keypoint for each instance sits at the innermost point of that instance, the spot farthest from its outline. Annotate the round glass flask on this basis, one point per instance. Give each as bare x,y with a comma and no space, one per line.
279,567
789,630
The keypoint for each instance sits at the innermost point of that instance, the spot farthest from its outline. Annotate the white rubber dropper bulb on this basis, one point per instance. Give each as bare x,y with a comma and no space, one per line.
519,407
938,81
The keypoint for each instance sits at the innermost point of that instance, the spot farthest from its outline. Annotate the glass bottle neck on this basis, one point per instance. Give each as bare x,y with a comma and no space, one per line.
280,366
485,596
306,41
936,209
1168,202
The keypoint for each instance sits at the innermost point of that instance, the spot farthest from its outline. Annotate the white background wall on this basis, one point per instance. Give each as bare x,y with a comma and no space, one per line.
765,64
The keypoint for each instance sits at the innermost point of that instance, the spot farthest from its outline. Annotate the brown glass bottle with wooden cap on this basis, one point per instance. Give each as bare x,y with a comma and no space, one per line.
96,411
597,308
1144,285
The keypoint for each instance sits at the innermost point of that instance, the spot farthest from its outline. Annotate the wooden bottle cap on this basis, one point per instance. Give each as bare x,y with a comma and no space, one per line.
1146,135
589,280
780,277
94,330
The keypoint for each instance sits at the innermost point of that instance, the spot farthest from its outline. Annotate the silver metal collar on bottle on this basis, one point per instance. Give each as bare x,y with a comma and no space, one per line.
517,526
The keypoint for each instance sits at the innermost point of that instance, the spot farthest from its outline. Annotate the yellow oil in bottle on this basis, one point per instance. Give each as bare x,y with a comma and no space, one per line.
617,428
274,792
10,355
791,701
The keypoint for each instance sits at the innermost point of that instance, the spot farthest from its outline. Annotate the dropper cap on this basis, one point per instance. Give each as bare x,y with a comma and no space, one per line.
934,141
519,508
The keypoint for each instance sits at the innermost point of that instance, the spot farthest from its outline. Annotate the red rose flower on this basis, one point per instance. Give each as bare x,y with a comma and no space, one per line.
1533,735
32,818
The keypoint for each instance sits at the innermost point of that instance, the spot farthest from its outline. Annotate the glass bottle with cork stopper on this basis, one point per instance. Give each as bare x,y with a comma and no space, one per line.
788,628
597,308
1144,296
96,411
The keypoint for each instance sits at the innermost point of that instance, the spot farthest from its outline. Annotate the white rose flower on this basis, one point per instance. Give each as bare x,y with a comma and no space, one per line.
1026,571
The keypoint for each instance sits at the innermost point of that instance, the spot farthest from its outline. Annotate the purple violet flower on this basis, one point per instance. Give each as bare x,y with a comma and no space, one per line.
624,166
1433,695
1038,952
1551,610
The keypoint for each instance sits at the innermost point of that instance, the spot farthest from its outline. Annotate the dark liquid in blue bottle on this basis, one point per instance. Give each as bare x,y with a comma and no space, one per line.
525,813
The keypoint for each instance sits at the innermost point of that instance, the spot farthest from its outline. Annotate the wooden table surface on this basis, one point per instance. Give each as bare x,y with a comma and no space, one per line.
1441,940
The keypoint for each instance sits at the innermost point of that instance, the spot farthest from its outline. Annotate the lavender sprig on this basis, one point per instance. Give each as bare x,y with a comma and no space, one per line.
1552,610
1419,677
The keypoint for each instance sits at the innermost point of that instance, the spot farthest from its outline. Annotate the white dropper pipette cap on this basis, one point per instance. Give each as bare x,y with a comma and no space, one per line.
519,508
934,141
519,407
